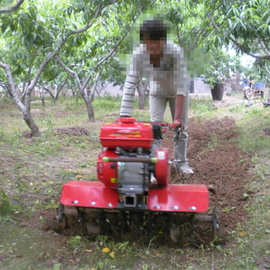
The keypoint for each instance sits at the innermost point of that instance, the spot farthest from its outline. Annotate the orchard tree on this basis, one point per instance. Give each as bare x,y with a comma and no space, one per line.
206,28
98,46
33,35
244,24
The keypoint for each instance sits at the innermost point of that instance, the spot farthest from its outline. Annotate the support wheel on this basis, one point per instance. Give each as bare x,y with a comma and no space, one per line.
217,231
215,225
61,219
174,233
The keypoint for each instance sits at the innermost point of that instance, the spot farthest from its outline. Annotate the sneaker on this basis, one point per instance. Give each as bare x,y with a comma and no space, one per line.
185,168
153,179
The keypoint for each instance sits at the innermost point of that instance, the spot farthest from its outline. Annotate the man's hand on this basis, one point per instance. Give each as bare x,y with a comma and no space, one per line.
176,124
179,107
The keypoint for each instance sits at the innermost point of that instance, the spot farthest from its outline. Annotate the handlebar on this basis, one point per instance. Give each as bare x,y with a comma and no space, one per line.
164,126
167,126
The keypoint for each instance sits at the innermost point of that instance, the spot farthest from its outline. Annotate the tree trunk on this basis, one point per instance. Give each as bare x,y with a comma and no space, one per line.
94,88
31,124
59,90
8,92
42,97
74,93
27,116
90,109
23,94
92,95
192,85
50,93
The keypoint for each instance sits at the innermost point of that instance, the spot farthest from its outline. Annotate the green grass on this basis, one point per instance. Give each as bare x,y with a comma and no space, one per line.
203,107
107,104
238,109
252,137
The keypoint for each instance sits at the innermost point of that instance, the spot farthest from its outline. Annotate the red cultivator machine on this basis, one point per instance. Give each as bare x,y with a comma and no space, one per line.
126,192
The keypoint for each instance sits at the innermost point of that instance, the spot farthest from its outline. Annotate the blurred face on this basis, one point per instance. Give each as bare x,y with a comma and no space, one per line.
154,47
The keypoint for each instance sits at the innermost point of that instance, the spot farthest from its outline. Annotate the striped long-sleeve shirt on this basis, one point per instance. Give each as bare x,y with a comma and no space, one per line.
167,80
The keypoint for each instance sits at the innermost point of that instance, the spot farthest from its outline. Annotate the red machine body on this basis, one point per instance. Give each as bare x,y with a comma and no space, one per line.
124,170
127,133
173,198
107,171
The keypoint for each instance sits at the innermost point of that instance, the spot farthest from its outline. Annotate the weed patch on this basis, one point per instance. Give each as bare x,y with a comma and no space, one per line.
252,137
202,107
5,206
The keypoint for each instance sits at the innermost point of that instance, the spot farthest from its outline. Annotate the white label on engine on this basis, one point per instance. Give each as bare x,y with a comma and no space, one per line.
161,155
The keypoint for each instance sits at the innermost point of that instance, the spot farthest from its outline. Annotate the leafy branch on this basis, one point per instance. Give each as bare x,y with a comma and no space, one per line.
12,8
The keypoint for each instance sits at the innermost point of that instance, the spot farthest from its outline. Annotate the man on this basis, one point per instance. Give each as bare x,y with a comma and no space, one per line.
162,62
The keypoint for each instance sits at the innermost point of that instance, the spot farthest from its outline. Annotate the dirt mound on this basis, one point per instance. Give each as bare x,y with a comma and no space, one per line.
72,131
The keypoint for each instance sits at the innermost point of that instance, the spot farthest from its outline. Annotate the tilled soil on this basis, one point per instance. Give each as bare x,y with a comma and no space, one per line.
218,163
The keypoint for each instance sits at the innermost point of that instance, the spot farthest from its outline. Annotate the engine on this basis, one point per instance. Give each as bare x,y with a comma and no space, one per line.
127,163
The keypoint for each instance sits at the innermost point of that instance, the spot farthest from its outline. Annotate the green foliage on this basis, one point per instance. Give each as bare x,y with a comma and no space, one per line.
198,61
243,25
220,67
28,34
104,35
260,71
215,24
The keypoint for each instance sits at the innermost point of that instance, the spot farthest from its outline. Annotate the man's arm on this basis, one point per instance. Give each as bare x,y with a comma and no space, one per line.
179,107
131,82
180,84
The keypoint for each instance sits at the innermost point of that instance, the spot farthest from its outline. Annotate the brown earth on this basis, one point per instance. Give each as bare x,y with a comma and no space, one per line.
220,164
72,131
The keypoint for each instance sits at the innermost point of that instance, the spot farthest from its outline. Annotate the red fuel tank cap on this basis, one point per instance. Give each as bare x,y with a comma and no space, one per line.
129,120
